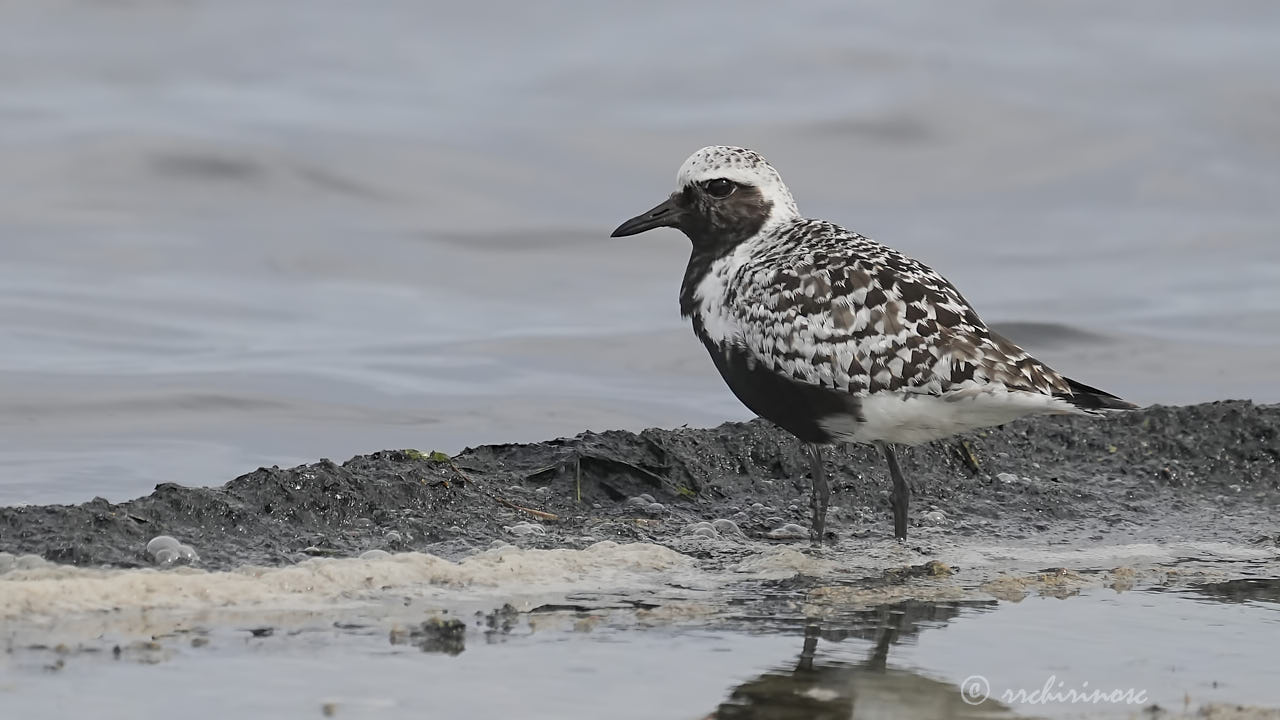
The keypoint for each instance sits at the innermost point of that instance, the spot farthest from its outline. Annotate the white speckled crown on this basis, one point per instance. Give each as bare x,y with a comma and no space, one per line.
743,166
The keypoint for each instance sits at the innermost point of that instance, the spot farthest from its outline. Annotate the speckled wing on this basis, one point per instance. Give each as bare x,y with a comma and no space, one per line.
833,308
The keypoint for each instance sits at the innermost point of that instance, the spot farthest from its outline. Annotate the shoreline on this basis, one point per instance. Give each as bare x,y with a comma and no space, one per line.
1160,474
1028,543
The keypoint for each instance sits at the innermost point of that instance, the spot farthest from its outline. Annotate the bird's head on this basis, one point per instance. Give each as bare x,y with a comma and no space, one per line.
726,195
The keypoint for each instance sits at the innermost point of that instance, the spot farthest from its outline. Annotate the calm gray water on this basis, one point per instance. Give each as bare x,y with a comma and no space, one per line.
235,233
910,660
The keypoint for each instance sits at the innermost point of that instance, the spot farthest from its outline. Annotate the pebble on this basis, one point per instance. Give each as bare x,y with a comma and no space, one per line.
30,561
790,531
522,529
1007,478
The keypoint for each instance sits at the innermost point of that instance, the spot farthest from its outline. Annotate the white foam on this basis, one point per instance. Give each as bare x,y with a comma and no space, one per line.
39,593
56,590
1103,555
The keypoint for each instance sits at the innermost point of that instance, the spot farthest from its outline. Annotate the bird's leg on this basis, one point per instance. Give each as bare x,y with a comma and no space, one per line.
901,496
820,496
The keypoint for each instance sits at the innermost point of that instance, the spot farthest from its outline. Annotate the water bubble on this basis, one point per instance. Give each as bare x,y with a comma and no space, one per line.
726,527
647,498
160,542
374,555
455,529
522,529
757,506
637,503
740,517
935,517
166,550
166,556
543,492
775,521
7,561
655,508
702,529
1007,478
393,538
790,531
499,544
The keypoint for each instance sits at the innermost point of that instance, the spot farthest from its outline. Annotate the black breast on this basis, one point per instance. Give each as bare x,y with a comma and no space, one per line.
796,407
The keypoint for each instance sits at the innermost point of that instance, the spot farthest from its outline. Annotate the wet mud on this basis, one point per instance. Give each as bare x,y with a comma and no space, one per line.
1208,472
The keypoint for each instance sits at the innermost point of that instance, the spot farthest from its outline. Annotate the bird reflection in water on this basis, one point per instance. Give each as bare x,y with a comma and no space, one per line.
839,690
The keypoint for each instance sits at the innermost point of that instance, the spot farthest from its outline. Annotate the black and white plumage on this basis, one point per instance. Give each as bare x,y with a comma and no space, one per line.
835,337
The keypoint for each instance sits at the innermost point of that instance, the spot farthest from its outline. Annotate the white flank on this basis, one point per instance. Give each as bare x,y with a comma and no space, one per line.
912,419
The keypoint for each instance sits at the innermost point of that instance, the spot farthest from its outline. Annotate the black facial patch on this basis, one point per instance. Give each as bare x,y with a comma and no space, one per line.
716,227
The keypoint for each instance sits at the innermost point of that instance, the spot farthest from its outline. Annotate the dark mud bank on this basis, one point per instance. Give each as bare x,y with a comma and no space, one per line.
1215,466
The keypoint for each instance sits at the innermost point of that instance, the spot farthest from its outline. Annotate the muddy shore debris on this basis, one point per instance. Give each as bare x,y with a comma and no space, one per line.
1219,462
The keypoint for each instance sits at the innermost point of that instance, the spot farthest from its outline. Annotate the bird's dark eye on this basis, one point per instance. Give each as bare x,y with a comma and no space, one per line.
720,187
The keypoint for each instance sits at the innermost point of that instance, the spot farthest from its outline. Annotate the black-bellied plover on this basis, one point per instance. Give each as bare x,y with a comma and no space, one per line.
835,337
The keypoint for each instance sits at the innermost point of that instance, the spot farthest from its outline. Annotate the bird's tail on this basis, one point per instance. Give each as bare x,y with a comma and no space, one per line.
1091,399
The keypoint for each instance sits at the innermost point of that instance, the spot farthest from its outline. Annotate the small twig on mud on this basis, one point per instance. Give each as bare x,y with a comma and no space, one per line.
966,454
536,513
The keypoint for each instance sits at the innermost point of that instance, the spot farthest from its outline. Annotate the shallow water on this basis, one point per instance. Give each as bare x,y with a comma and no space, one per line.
636,631
238,236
